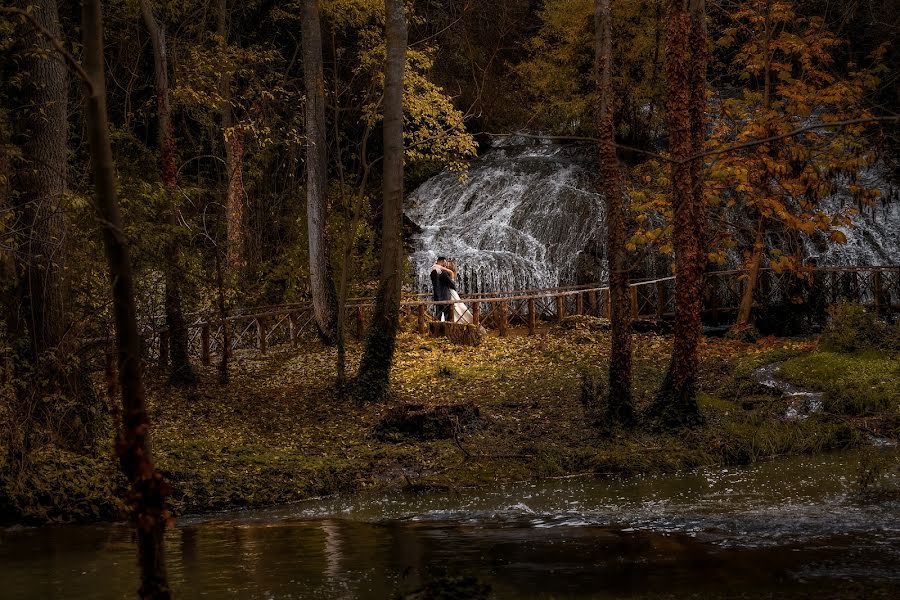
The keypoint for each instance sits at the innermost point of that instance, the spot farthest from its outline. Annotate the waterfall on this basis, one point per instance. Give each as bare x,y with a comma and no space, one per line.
520,218
526,215
874,238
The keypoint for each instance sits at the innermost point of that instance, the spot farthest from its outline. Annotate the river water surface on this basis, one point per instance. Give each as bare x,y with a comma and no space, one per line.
792,528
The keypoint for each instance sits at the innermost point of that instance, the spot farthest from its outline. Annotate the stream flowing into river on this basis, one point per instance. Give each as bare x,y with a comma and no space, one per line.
790,528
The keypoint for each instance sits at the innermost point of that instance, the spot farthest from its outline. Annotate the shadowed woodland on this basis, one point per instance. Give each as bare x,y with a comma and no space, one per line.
206,293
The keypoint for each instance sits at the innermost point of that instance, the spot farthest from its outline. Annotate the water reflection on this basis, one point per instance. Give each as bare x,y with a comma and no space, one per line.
784,529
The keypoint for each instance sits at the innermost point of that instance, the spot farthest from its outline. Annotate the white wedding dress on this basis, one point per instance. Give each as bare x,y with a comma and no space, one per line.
461,312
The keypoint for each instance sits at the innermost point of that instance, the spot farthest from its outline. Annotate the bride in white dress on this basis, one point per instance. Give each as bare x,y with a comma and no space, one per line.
461,311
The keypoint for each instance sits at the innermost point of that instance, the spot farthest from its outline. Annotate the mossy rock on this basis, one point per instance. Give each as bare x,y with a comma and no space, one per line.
416,422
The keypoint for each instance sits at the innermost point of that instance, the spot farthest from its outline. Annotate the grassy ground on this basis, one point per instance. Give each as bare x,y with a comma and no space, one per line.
278,433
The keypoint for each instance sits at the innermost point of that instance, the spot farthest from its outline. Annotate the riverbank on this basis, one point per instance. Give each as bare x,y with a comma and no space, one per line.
278,433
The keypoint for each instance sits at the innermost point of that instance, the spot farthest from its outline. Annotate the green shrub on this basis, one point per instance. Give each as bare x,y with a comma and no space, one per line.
851,327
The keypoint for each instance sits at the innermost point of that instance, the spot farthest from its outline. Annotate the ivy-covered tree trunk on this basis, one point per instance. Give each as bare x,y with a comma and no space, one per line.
321,280
181,371
375,369
686,58
620,408
148,489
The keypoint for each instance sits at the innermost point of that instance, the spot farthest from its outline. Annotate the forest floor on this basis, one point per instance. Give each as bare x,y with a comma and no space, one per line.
278,433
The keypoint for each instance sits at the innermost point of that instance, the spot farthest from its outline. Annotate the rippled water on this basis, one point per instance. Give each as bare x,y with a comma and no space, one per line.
788,528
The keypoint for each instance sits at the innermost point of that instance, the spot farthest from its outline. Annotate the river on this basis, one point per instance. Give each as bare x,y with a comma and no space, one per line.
789,528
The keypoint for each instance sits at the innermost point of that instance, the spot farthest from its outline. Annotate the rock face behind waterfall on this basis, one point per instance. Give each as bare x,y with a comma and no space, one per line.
522,217
526,215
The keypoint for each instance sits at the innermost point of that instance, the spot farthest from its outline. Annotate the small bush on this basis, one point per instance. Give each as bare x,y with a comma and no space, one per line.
851,327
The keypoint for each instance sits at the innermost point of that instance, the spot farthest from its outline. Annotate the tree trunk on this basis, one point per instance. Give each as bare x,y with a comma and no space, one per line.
148,489
620,408
759,245
686,50
375,368
234,154
43,284
43,185
320,276
181,371
743,317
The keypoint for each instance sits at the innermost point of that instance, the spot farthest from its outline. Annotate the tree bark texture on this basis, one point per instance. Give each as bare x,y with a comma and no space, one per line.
620,409
43,316
234,155
375,368
43,185
181,371
321,279
147,496
686,54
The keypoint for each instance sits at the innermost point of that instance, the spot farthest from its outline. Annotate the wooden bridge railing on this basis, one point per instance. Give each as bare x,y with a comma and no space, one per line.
262,328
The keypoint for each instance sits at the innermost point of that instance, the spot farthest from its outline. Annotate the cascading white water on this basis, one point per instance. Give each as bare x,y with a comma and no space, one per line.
874,238
526,211
520,218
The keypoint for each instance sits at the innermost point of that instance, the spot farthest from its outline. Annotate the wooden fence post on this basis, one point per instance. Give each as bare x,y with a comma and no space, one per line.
476,313
421,319
502,321
261,341
660,300
163,349
592,300
532,318
579,303
634,301
606,306
360,322
292,328
560,308
204,344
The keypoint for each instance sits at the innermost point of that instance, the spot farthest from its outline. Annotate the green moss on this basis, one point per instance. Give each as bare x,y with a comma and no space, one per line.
861,383
754,438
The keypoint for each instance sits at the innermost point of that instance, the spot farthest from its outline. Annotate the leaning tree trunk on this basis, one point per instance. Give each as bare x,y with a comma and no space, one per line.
181,373
375,369
755,263
620,408
320,276
759,243
148,489
686,49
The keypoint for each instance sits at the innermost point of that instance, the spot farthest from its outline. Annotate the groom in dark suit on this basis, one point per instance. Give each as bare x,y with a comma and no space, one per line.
441,283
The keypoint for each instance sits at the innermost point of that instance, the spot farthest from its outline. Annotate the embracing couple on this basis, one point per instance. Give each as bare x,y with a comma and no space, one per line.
443,282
